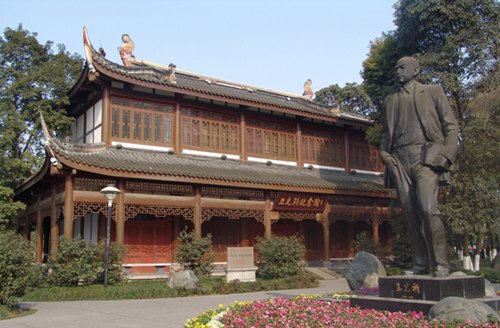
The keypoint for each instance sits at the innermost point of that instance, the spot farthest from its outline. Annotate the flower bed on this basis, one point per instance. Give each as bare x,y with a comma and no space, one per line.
311,312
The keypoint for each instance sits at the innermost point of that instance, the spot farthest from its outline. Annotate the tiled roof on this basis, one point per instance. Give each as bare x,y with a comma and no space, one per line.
164,166
189,82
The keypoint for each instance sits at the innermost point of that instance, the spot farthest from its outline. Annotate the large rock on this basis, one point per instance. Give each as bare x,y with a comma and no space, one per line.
364,271
489,289
457,308
183,279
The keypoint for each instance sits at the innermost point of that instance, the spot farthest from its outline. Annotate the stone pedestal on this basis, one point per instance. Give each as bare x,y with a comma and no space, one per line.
420,293
430,288
240,265
244,275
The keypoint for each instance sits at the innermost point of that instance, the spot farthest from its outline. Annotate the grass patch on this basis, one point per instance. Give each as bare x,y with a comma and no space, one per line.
8,313
157,289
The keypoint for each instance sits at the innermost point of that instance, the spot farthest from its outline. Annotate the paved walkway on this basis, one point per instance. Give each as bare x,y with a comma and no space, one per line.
165,312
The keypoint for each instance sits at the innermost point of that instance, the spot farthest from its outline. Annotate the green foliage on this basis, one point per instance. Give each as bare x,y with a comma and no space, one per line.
378,70
116,255
33,78
365,243
8,208
393,271
472,202
78,262
374,135
401,247
195,253
17,272
457,43
280,257
146,289
351,98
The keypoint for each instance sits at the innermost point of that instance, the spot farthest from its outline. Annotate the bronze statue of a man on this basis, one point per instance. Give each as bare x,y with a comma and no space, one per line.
419,145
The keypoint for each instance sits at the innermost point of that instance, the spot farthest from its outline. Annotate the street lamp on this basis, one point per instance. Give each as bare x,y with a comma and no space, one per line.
110,192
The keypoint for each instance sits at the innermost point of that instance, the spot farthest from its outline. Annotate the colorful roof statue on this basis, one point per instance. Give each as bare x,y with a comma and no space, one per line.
126,49
308,92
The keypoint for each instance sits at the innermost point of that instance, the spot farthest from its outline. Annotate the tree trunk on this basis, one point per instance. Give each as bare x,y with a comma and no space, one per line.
479,249
466,257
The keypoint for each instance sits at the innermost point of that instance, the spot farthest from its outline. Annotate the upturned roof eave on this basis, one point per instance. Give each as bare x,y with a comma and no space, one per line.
93,66
66,160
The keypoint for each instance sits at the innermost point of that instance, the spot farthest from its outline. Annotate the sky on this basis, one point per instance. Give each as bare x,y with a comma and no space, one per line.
268,44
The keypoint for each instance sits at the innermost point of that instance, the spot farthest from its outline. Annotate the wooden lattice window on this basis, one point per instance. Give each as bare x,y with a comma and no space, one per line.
271,140
323,147
363,156
142,122
210,131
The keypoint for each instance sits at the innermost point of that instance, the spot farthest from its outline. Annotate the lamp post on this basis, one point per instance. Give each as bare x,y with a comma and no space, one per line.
110,192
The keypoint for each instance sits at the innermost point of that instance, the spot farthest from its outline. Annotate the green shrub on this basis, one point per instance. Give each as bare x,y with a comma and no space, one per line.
401,247
79,262
365,243
115,270
492,275
17,272
76,262
280,257
195,253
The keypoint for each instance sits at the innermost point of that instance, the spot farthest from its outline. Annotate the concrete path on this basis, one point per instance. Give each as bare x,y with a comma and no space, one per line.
165,312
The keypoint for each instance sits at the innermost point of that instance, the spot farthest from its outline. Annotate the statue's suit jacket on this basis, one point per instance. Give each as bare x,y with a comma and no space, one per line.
439,126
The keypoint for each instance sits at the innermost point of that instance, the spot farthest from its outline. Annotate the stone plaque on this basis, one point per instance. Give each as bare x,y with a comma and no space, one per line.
240,258
409,289
430,288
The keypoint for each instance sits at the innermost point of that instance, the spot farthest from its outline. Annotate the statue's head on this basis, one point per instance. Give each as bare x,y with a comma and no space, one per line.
407,68
125,38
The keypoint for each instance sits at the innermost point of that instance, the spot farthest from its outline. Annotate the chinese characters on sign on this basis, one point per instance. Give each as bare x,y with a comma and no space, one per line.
408,289
240,257
286,201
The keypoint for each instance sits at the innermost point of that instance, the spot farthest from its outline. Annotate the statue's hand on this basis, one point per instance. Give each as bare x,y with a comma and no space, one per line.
388,160
441,163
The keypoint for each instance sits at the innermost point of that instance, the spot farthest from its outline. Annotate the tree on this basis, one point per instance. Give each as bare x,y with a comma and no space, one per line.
472,205
456,42
378,70
378,74
351,98
33,78
457,45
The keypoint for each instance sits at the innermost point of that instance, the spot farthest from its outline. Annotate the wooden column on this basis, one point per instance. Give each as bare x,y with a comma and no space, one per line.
326,233
106,116
69,183
177,127
197,211
300,159
375,231
243,138
347,153
267,217
54,225
120,214
39,232
244,242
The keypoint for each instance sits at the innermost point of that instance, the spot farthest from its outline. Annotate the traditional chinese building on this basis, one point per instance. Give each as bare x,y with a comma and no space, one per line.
219,157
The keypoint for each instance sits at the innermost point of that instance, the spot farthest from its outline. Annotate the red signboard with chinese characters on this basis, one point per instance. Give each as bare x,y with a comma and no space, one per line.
286,201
